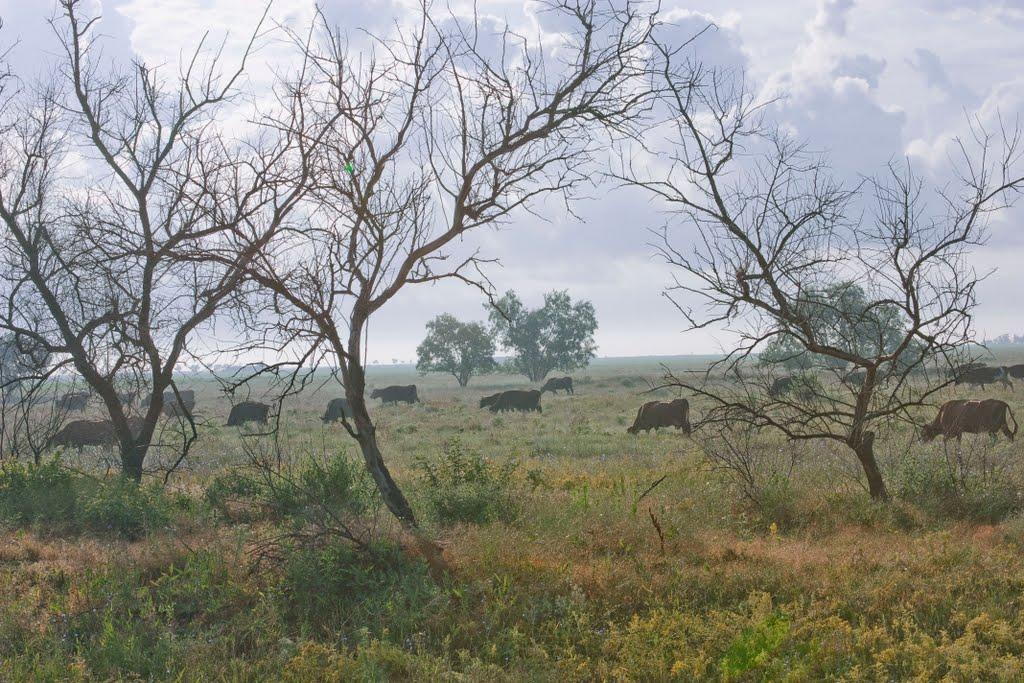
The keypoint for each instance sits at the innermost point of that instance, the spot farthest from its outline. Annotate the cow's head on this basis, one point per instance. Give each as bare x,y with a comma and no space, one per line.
375,393
930,431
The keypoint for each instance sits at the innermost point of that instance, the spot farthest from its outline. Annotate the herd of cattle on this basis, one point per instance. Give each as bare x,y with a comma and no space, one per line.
81,433
954,418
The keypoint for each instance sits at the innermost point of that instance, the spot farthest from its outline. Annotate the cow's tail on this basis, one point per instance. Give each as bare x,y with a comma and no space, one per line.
1010,413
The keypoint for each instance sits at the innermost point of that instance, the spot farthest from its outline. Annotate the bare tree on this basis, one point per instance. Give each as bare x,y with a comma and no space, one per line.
434,139
127,215
784,252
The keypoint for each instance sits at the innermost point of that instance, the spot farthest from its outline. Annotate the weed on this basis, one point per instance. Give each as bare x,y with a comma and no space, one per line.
462,486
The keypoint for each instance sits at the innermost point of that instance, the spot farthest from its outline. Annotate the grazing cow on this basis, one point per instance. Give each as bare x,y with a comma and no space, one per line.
516,399
396,394
556,384
337,409
1016,371
73,403
781,386
856,378
657,414
984,375
960,417
489,400
248,411
81,433
171,405
953,373
172,408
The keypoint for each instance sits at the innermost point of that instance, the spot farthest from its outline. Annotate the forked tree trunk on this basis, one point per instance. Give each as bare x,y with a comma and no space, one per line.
865,450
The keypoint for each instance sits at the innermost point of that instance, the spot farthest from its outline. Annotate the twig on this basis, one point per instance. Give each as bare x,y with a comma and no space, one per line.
649,489
657,527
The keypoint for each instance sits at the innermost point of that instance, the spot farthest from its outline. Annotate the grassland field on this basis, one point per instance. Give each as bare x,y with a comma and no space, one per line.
571,575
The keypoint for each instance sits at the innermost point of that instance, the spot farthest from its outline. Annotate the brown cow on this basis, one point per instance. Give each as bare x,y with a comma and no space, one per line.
657,414
958,417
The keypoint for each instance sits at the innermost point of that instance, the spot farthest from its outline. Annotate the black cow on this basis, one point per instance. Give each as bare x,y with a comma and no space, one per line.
780,387
953,373
73,403
81,433
395,394
337,408
556,384
1016,371
248,411
984,375
489,400
172,408
856,377
657,414
516,399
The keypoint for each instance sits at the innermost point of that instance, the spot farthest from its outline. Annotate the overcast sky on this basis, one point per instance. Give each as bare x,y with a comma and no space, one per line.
867,81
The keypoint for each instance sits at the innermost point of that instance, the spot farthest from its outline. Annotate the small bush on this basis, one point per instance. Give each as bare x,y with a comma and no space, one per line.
57,500
279,492
945,489
462,486
776,503
760,471
41,494
336,587
123,508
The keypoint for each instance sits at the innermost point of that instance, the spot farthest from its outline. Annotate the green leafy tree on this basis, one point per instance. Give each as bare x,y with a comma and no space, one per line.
844,317
461,349
557,336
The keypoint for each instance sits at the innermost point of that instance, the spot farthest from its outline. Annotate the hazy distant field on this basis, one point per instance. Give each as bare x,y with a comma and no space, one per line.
575,582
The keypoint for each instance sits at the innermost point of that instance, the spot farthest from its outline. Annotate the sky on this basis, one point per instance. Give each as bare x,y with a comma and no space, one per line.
866,81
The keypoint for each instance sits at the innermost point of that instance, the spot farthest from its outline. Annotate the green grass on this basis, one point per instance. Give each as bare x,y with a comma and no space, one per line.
558,570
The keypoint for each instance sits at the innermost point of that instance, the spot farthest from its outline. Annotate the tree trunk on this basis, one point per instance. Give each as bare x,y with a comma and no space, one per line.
131,463
389,491
865,451
366,436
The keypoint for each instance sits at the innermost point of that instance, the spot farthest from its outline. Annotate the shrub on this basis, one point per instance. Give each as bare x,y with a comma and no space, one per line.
41,494
124,508
954,489
335,486
335,587
776,503
759,470
462,486
60,501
